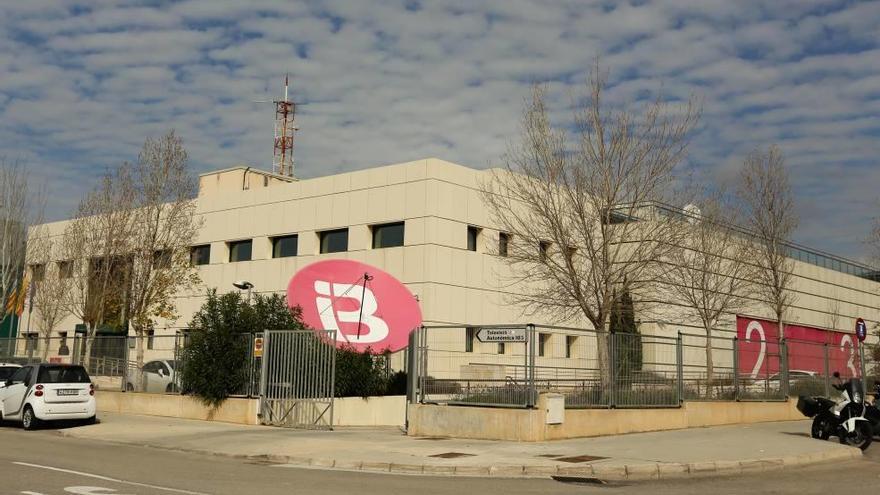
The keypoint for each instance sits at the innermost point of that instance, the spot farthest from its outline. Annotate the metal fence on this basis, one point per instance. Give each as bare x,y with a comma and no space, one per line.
463,365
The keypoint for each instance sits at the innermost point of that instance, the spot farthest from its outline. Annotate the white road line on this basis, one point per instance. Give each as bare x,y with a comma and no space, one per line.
105,478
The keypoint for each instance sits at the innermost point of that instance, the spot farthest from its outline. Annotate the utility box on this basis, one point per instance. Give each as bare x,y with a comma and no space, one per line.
555,408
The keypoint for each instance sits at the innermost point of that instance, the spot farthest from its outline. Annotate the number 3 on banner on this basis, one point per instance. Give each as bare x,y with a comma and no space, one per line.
754,326
846,341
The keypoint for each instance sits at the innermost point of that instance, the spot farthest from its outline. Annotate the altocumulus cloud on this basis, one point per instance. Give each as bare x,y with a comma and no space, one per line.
82,84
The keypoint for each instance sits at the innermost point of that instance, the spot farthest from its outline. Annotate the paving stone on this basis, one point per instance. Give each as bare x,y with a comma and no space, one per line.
642,472
506,471
671,470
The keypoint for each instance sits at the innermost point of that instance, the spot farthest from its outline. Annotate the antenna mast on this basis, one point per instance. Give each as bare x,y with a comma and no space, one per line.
285,126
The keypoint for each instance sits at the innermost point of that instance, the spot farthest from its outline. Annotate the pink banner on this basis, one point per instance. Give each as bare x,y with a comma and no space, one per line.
759,355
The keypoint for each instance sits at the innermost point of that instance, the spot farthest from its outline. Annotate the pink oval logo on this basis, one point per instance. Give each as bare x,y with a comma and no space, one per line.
337,294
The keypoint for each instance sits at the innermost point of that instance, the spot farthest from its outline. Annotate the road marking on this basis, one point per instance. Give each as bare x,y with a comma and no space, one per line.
113,480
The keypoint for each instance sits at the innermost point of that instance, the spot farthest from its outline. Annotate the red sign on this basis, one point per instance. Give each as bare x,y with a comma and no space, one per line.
759,355
337,294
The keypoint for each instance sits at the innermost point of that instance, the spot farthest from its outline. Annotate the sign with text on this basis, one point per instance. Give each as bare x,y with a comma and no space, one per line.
502,334
759,355
367,307
861,330
258,347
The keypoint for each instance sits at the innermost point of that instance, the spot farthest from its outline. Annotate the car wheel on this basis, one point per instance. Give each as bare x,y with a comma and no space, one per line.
90,421
28,420
129,387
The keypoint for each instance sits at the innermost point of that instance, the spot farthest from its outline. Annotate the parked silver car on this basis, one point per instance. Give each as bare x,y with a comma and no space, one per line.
157,377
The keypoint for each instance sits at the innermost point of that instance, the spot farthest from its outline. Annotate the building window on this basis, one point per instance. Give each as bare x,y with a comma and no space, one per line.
503,243
284,246
388,235
543,340
501,348
570,342
38,272
470,333
473,233
162,259
63,350
65,269
200,255
543,249
32,342
334,241
240,250
150,335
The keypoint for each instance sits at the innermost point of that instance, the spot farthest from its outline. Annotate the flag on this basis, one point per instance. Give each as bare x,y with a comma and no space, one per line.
16,301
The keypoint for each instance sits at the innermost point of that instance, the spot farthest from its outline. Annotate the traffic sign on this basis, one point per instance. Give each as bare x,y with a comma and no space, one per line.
861,329
258,347
502,334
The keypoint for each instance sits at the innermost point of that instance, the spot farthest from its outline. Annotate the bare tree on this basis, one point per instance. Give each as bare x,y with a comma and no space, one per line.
50,286
21,205
166,226
582,211
834,311
765,191
712,275
96,243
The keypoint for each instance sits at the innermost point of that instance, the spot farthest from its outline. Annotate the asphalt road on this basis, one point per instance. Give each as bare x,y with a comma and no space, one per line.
44,463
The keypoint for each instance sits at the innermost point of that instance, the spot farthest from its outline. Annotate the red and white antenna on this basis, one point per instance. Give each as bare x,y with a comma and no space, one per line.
285,126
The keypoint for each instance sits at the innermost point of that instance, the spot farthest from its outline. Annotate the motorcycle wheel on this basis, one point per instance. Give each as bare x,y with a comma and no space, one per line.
821,428
861,437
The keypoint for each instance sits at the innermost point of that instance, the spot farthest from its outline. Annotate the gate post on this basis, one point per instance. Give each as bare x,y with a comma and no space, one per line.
264,367
530,367
862,370
412,381
679,368
422,365
612,371
736,368
783,372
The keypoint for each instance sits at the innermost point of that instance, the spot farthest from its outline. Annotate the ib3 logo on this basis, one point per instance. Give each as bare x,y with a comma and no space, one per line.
337,294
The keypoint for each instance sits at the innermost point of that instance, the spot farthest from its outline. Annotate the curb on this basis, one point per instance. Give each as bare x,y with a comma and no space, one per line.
649,471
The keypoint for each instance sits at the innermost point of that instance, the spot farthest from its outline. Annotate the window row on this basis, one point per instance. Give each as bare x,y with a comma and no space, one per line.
329,241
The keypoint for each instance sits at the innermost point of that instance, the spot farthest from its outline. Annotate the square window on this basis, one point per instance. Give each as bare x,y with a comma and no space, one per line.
334,241
240,250
473,233
38,272
285,246
388,235
503,243
65,269
200,255
161,259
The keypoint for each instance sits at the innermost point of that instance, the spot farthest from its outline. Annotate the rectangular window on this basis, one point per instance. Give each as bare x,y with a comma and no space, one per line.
388,235
334,241
161,259
503,243
543,248
543,340
200,255
473,233
285,246
470,333
501,348
32,342
570,341
240,250
65,269
150,335
38,272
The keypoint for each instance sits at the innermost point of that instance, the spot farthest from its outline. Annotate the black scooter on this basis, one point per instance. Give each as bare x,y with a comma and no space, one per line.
849,418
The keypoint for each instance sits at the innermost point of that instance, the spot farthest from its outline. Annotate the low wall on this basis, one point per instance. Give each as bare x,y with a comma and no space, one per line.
349,411
529,425
241,411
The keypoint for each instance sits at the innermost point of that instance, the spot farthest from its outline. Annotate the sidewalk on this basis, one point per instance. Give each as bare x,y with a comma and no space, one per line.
721,450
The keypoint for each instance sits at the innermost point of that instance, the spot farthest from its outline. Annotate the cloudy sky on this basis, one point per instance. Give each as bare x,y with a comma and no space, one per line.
83,83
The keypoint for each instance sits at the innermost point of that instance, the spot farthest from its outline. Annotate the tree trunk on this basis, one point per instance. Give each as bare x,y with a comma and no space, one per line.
87,352
139,359
604,356
45,354
710,362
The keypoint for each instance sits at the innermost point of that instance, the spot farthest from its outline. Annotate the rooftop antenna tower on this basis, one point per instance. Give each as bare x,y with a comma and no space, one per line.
285,126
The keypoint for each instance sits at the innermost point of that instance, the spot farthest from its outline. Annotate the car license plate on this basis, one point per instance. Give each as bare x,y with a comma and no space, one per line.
67,391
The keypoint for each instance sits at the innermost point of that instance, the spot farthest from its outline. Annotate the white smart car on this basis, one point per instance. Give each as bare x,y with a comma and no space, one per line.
47,392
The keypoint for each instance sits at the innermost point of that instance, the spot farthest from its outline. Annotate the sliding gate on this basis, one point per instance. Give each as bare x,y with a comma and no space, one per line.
296,384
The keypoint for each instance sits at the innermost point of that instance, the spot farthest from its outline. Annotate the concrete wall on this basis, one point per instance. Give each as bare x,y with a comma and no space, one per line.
349,411
530,425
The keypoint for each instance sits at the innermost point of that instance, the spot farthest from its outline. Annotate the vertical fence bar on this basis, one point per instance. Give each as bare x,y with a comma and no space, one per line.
332,394
679,368
532,389
783,365
423,365
827,371
612,369
264,365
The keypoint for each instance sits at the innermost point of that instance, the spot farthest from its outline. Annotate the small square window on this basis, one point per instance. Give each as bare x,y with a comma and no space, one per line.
65,269
473,234
388,235
240,250
503,243
543,248
200,255
334,241
38,272
285,246
162,259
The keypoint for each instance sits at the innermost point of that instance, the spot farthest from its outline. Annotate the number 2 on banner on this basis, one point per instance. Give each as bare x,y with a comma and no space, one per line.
754,326
846,341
